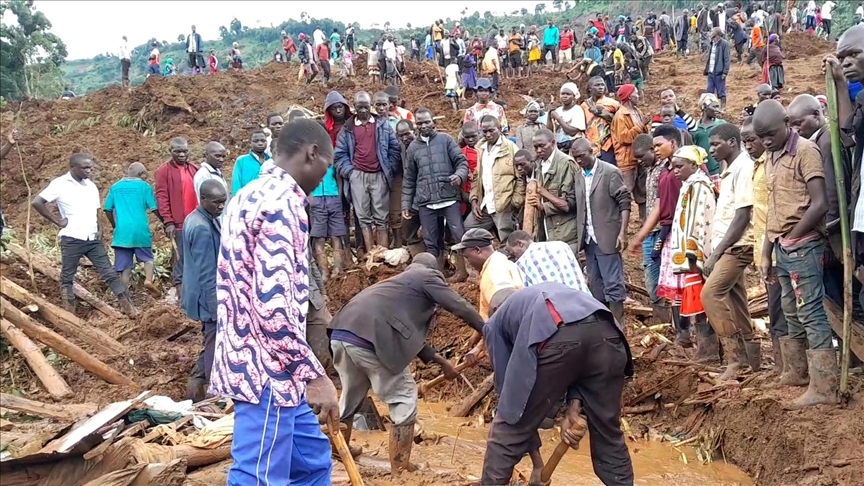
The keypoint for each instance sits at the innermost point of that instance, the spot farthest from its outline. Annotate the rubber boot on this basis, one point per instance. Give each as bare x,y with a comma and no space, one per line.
196,389
735,356
397,238
778,356
682,333
617,309
753,353
662,313
368,242
824,375
126,305
461,274
401,441
382,238
794,353
70,303
321,259
355,450
337,262
707,344
416,249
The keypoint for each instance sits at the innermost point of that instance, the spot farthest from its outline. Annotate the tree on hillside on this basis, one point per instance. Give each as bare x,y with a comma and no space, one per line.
539,9
224,33
236,26
557,4
566,5
515,12
409,26
181,38
30,55
524,12
487,16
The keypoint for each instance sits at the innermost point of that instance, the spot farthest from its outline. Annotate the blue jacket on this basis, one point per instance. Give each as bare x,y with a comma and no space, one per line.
198,44
389,151
201,234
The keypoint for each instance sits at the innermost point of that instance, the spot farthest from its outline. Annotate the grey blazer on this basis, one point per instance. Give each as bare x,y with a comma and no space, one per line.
609,197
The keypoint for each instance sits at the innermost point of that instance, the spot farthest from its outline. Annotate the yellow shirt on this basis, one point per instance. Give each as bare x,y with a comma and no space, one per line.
618,57
760,201
498,273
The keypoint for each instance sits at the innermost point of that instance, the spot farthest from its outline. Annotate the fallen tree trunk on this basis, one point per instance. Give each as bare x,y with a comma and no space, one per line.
50,270
69,413
63,319
835,318
62,345
54,383
464,407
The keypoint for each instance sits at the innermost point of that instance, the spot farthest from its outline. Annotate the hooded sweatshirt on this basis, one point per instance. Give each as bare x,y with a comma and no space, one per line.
333,98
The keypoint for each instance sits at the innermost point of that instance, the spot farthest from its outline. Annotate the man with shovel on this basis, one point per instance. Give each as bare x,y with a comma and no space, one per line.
546,341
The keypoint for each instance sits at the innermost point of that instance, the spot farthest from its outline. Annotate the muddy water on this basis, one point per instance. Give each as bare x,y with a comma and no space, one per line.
459,455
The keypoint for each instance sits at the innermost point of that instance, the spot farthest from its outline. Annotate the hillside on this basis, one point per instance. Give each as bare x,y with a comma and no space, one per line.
259,44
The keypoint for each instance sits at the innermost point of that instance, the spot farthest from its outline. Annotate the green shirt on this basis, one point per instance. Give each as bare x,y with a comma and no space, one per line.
246,169
700,138
131,198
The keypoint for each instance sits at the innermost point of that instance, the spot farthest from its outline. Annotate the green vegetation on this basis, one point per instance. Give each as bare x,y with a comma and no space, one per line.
30,55
32,61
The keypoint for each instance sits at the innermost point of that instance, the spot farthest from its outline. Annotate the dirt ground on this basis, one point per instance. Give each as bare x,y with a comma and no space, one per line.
819,446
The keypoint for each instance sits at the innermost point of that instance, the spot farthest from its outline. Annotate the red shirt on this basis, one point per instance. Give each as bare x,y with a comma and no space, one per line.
172,192
365,147
601,28
471,155
670,188
323,52
566,40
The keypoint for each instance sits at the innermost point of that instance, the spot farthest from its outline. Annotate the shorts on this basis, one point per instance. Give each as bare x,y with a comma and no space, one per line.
123,257
516,59
565,55
450,93
638,82
327,218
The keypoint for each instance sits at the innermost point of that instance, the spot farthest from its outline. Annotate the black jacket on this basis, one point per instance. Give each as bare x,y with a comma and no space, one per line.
427,171
394,315
721,60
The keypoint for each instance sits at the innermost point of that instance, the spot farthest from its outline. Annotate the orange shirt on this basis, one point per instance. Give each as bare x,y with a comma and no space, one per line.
756,37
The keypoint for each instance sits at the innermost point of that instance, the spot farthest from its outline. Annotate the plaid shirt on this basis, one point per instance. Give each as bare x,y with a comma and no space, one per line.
551,261
262,292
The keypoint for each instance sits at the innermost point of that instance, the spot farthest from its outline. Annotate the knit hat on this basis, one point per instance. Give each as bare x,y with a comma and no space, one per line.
625,91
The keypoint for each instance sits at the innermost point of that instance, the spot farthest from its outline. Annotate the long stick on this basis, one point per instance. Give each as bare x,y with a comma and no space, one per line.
27,226
344,453
839,170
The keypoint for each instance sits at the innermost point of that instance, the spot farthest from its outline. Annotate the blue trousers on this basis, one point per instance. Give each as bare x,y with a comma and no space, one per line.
651,266
717,85
799,271
605,274
278,446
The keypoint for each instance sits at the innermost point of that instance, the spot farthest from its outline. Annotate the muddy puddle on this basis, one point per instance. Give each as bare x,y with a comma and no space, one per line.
452,454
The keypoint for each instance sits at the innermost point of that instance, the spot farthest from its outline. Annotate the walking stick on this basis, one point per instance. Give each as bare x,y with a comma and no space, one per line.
839,169
344,453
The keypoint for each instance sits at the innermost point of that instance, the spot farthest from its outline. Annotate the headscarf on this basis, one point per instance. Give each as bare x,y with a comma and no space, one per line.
773,38
694,153
571,87
532,104
625,91
708,99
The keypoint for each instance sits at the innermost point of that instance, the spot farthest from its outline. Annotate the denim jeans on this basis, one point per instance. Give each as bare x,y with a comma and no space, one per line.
651,266
800,272
71,251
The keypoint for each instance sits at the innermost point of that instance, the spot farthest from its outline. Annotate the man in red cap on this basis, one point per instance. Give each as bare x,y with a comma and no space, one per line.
306,54
627,124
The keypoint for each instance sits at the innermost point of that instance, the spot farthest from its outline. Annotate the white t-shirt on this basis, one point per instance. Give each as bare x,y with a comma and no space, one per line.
400,52
78,202
827,7
318,37
501,41
811,8
860,10
389,50
575,117
154,54
124,51
452,76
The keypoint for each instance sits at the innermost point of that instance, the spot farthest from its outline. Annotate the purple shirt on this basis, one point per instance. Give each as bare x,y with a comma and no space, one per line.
262,289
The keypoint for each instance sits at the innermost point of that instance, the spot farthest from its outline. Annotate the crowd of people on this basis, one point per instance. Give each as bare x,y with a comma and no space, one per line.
518,205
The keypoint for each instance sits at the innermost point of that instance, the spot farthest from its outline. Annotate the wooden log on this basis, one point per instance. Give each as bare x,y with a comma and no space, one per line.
62,345
162,474
530,217
194,456
835,318
64,320
50,270
464,408
54,383
66,412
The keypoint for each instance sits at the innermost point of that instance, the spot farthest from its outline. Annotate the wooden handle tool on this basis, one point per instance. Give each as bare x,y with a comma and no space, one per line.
338,440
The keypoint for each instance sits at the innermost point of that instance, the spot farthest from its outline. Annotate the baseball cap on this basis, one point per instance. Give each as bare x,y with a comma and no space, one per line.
484,83
475,238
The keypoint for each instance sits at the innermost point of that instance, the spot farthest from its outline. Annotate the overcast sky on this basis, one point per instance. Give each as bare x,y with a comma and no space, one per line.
89,28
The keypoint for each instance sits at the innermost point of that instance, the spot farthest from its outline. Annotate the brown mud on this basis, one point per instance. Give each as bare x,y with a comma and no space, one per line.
819,446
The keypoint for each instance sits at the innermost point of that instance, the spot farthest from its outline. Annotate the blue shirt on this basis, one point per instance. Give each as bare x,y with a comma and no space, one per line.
131,198
246,170
594,54
327,187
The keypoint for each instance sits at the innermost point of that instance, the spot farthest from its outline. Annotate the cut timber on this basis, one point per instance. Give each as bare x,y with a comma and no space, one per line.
195,457
530,216
464,408
54,383
64,320
31,407
162,474
52,271
62,345
835,318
